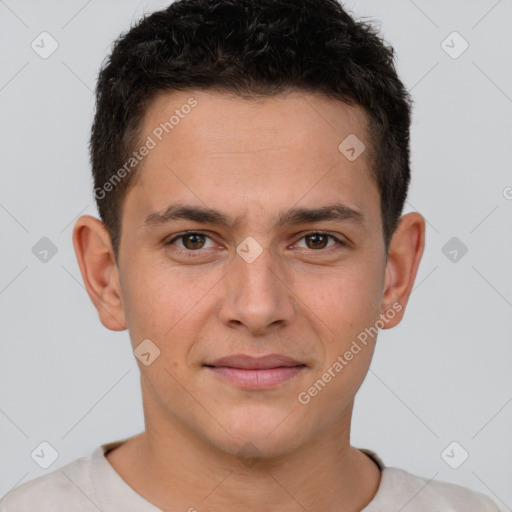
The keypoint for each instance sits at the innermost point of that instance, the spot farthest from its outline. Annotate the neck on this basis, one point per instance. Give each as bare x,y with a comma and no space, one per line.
173,469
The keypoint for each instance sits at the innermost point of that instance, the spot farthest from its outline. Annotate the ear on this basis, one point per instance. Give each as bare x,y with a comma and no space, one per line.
404,256
95,256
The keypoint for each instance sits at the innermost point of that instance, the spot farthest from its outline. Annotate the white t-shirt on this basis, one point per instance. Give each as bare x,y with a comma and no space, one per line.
91,484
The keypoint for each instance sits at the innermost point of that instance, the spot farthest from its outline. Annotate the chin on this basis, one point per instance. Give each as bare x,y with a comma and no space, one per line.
260,434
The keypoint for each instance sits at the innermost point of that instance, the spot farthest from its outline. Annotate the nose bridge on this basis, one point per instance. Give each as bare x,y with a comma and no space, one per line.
258,276
257,296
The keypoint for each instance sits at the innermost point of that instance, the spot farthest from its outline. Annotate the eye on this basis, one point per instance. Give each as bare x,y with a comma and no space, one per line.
191,241
319,240
194,241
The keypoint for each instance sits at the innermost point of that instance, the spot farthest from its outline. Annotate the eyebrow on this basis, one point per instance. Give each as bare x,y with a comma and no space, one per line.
294,216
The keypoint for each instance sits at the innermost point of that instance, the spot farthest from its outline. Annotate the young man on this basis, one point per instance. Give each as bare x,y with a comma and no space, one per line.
251,162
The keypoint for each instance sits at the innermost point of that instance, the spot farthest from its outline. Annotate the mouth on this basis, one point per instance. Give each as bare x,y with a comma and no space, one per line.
251,372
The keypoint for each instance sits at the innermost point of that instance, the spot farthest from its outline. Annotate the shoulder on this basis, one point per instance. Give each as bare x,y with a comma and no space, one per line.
422,494
62,489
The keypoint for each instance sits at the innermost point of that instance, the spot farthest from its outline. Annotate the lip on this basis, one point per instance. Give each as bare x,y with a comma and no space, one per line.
256,372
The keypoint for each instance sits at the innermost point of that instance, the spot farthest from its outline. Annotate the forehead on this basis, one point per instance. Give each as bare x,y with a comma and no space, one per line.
224,151
300,120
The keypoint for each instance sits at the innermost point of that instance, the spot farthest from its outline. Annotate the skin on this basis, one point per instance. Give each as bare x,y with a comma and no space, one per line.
304,297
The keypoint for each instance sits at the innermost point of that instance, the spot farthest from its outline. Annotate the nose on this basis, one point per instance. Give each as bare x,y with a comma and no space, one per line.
256,296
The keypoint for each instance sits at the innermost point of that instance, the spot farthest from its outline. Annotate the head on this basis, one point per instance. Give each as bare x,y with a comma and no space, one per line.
277,134
252,49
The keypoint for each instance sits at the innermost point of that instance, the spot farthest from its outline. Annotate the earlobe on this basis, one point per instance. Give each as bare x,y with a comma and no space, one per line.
97,264
404,256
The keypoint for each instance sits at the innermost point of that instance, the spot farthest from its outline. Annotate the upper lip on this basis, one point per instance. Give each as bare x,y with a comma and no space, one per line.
255,363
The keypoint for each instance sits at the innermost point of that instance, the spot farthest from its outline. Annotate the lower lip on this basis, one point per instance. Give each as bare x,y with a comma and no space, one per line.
257,379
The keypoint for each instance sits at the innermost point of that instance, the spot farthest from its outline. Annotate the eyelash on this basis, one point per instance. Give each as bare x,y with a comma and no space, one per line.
190,252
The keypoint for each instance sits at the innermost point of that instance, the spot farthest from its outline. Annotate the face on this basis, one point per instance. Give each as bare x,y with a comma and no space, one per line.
248,232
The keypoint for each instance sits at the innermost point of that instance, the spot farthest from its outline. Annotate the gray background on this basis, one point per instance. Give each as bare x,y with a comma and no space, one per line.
442,375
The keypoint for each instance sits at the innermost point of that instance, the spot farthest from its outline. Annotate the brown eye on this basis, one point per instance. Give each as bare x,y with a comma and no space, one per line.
316,241
193,241
190,241
319,240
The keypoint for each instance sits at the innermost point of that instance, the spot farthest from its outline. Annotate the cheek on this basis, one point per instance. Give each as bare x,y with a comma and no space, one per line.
147,301
160,301
349,310
344,301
